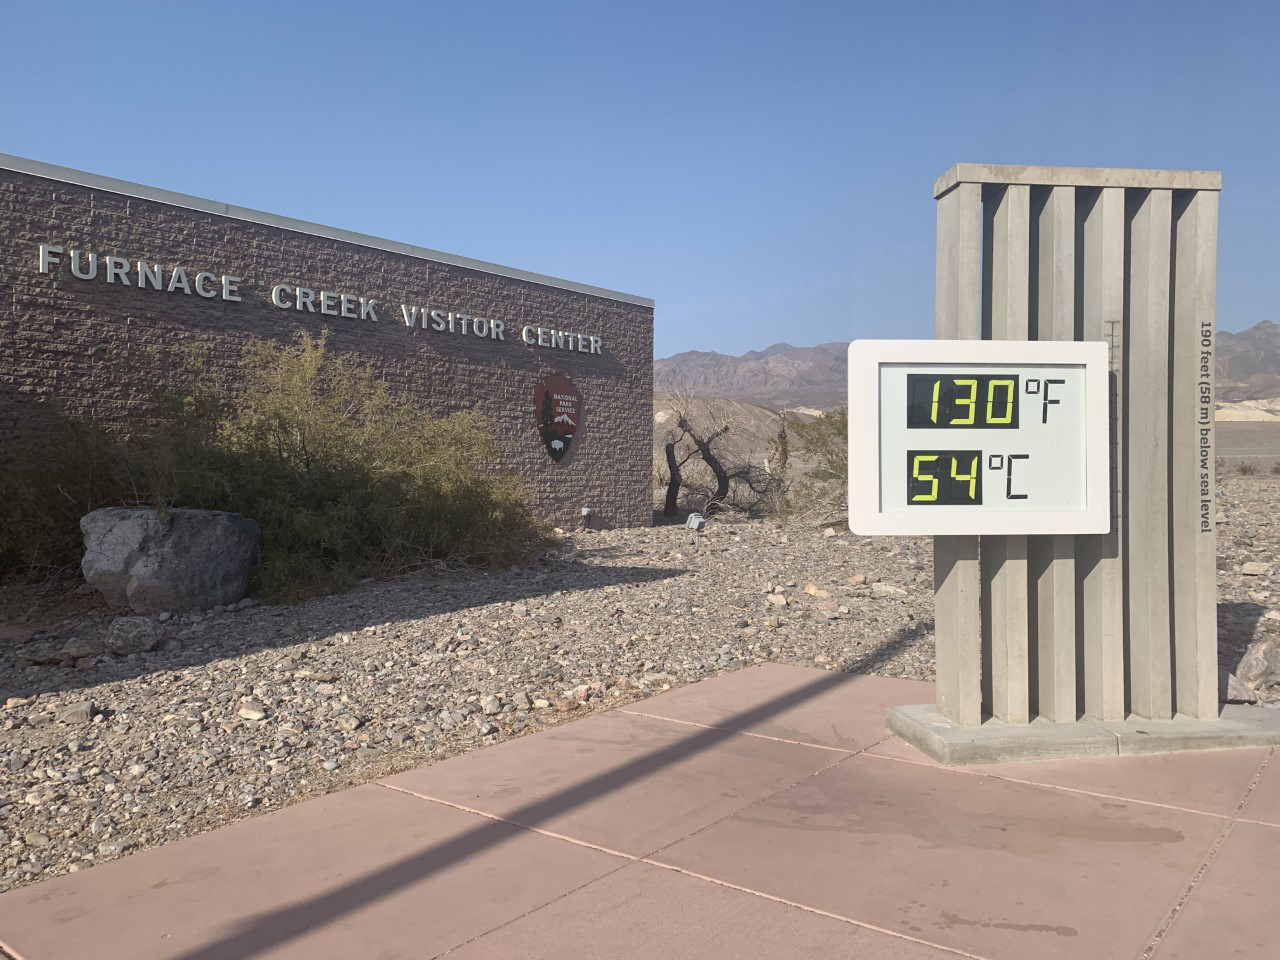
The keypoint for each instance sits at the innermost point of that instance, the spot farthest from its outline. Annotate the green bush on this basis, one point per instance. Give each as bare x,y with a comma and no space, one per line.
345,481
822,495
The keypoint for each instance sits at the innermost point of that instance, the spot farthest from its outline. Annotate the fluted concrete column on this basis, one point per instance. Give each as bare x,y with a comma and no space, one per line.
1050,627
958,316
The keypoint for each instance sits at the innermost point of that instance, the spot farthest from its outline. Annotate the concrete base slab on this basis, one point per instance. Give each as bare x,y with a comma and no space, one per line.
995,742
1238,725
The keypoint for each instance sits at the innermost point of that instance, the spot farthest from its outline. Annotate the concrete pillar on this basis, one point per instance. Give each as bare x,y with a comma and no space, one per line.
1096,628
1052,560
1146,441
1194,581
1006,689
956,587
1098,559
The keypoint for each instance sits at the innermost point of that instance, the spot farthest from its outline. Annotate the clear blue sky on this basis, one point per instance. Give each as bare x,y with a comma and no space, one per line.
763,171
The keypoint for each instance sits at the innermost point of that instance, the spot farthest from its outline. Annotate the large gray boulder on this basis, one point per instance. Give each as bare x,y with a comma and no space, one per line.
1259,669
183,560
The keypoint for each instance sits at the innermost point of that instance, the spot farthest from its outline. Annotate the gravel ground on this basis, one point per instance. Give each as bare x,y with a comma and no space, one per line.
239,712
245,711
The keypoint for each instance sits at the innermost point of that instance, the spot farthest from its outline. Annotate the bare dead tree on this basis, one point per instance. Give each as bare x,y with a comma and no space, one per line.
674,478
678,453
703,446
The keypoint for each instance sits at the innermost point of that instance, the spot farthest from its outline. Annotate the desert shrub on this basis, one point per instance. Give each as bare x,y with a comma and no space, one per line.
1247,469
821,496
59,471
345,482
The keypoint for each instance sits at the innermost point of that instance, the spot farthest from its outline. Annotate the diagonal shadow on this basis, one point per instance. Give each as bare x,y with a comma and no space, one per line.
259,629
273,927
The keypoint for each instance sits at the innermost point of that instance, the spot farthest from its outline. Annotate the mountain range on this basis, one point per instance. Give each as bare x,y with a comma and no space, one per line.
815,378
781,376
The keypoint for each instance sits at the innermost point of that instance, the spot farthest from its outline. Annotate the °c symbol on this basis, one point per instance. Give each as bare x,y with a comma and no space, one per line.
1033,386
995,461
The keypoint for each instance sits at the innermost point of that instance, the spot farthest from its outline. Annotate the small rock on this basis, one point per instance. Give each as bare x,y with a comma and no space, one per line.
252,710
857,580
368,753
829,532
541,703
126,635
813,591
521,701
88,647
77,713
887,590
113,848
330,764
777,599
14,635
490,705
1254,569
488,729
348,722
34,839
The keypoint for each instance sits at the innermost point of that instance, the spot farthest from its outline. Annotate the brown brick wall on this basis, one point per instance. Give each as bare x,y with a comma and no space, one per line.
67,339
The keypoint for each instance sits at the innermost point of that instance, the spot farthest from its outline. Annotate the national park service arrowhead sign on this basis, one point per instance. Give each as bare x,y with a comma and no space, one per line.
557,408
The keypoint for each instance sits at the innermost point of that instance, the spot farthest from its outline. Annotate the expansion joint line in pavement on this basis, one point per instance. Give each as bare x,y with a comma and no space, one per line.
1212,855
847,755
649,859
746,733
814,910
997,775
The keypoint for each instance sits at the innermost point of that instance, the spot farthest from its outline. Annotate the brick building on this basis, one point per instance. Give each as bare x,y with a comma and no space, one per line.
99,275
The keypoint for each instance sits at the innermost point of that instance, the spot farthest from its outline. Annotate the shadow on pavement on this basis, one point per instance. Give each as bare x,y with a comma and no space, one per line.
269,929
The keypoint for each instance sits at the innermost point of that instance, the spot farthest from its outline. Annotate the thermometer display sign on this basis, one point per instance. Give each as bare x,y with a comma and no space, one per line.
977,402
973,437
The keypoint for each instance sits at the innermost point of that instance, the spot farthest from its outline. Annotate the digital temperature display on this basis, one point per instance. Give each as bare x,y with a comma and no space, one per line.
943,477
978,437
973,401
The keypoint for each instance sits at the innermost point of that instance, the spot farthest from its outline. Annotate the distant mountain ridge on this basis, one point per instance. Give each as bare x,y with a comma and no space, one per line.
1248,363
783,376
776,377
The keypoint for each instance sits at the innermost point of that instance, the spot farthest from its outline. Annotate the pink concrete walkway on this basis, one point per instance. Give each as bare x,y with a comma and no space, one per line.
764,813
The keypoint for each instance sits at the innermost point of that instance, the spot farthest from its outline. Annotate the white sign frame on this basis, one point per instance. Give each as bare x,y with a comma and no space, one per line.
865,514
